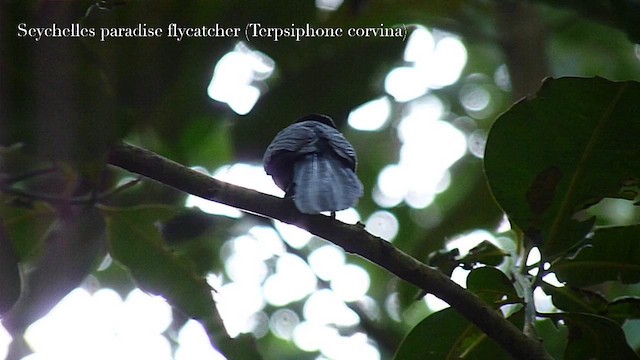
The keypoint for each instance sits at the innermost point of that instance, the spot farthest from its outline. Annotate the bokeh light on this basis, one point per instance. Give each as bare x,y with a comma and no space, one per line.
236,75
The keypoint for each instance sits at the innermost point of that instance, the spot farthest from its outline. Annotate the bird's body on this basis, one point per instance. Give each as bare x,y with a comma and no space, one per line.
313,163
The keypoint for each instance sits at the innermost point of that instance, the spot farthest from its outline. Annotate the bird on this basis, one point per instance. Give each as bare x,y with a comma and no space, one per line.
315,165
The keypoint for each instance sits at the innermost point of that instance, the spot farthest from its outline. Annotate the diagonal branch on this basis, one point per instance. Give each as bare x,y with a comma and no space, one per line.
352,238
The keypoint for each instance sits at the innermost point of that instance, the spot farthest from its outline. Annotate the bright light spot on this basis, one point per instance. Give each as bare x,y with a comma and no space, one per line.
432,66
450,57
434,303
419,46
429,148
245,175
543,302
403,84
325,307
309,336
329,5
502,79
237,304
553,280
326,261
352,284
392,306
476,143
234,76
355,346
5,340
268,242
383,224
283,322
371,115
194,344
246,267
474,98
348,216
82,323
292,281
383,199
293,235
393,181
505,224
534,256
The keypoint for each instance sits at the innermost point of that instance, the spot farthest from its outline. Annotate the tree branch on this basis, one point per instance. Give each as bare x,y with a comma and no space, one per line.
352,238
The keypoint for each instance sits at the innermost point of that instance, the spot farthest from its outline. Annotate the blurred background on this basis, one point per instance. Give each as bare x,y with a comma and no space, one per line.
417,109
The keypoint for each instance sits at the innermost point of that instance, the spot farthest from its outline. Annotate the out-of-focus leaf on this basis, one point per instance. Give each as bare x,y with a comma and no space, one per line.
74,244
445,261
135,241
448,335
26,227
562,151
10,283
484,253
492,286
571,299
613,255
554,337
593,337
622,309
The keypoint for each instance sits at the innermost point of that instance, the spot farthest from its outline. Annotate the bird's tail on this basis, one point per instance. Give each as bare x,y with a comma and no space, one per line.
324,183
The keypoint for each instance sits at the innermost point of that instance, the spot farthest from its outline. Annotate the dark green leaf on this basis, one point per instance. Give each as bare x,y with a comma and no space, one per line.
593,337
9,274
554,337
448,335
26,227
614,255
622,309
550,156
484,253
573,299
492,286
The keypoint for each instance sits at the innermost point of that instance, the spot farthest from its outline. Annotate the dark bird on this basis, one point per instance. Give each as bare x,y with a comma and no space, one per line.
313,163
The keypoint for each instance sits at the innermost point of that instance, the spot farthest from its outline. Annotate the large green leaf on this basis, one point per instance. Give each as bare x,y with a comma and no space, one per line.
448,335
492,286
553,155
594,337
613,255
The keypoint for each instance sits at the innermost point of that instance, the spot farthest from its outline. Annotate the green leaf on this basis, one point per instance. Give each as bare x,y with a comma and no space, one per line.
26,227
571,145
613,255
9,273
554,337
484,253
571,299
622,309
492,286
448,335
593,337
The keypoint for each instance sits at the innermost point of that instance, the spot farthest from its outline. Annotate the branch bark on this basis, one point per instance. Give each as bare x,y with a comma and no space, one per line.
352,238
